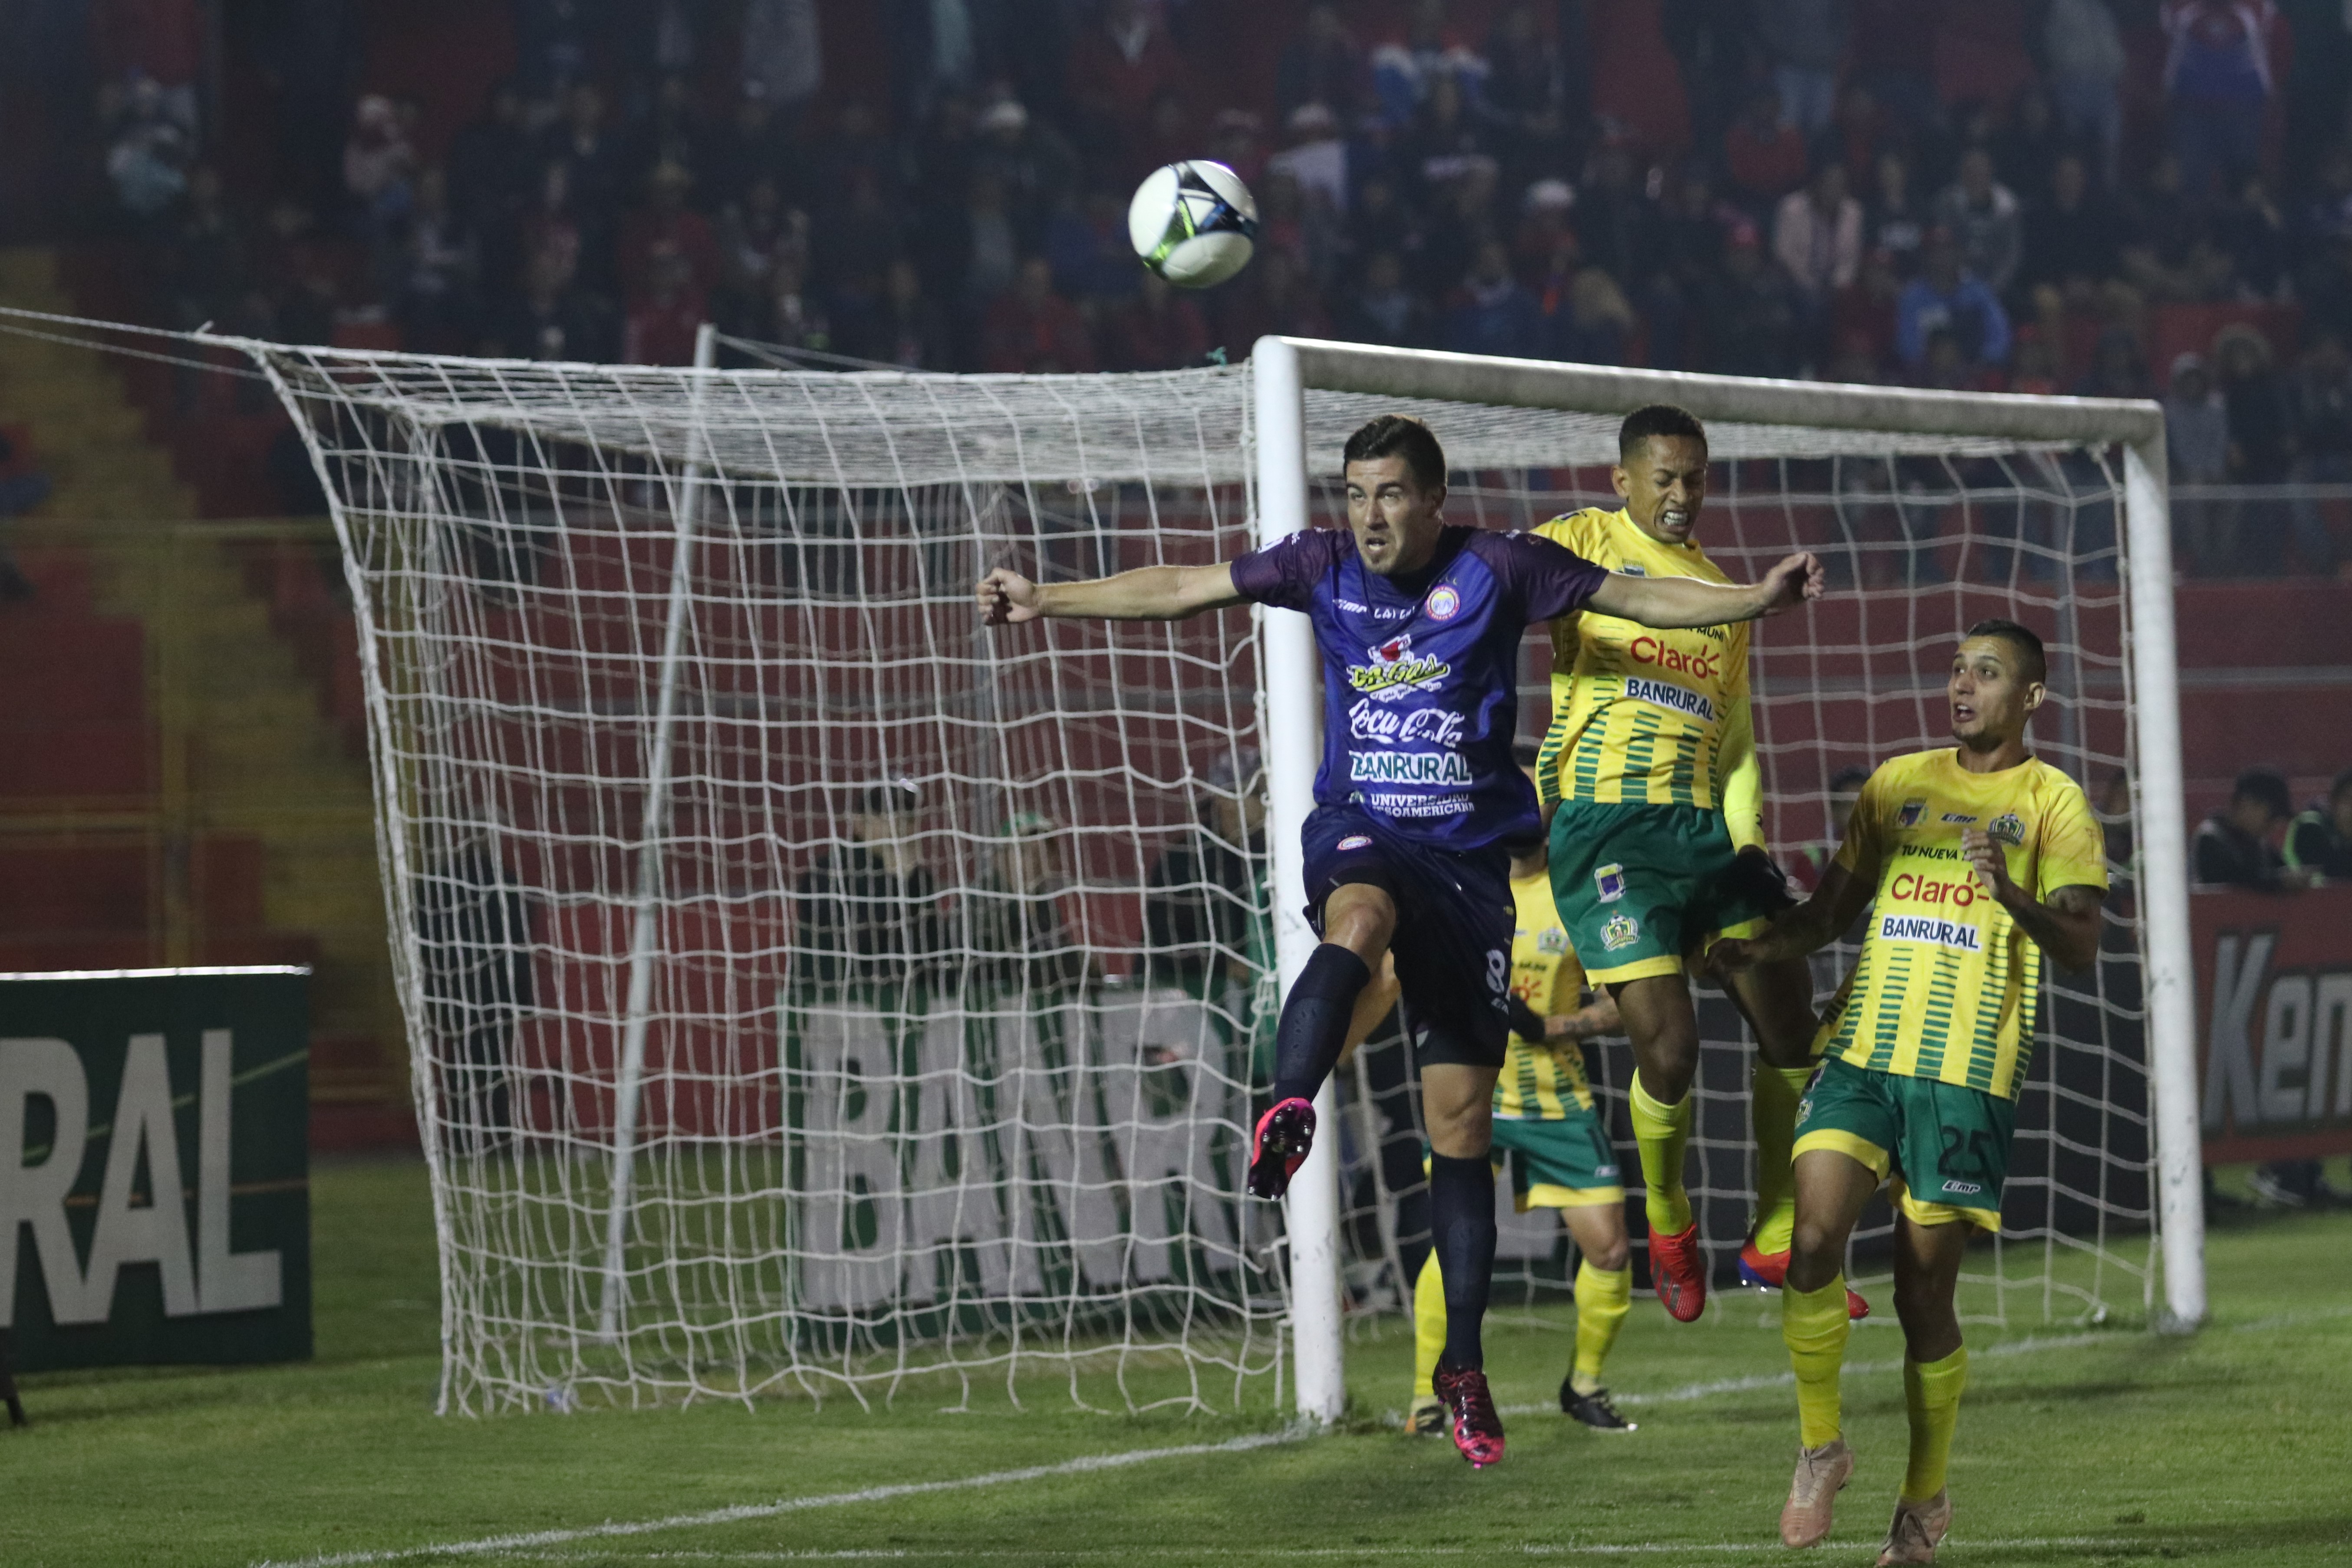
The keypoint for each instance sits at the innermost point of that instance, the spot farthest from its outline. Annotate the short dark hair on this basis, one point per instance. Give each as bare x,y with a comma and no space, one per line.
2034,662
1400,435
2267,785
1656,419
1846,779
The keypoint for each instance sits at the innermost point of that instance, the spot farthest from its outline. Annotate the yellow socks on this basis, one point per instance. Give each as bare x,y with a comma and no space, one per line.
1931,1392
1428,1325
1813,1325
1662,1133
1603,1299
1775,1093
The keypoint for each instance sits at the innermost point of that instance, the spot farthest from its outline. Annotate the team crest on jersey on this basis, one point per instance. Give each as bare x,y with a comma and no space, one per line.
1622,931
1913,810
1393,669
1609,883
1444,602
2007,828
1355,841
1551,940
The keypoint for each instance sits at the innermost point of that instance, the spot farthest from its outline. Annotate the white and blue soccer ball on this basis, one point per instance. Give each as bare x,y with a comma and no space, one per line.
1195,223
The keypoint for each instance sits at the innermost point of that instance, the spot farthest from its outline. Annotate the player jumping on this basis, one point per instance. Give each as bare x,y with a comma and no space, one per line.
1418,622
1980,859
1558,1142
1657,846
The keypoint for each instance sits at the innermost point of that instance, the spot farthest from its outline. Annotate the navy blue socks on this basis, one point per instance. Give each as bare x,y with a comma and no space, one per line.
1314,1026
1462,1225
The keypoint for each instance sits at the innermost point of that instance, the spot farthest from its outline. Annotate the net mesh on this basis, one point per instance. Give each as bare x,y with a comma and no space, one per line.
809,991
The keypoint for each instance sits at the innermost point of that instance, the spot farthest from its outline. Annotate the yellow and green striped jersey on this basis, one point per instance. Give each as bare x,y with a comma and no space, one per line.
1542,1080
1947,983
1645,716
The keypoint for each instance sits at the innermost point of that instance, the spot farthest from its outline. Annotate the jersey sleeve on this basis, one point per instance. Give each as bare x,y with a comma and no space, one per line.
1741,791
1543,578
1865,831
2074,852
1285,572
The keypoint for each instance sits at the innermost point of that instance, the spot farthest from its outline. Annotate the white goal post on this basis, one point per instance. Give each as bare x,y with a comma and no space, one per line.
811,992
1286,369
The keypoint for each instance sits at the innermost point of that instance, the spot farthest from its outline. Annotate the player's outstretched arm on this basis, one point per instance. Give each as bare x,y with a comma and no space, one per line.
2066,928
1810,926
1149,593
1669,602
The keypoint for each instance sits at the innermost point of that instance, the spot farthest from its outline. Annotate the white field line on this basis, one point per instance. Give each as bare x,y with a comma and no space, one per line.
1160,1551
528,1540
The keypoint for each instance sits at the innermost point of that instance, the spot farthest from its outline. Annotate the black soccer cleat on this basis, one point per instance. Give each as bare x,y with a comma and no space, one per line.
1279,1147
1594,1409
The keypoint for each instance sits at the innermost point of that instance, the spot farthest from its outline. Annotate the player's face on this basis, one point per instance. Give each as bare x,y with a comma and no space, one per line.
1395,522
1990,699
1664,486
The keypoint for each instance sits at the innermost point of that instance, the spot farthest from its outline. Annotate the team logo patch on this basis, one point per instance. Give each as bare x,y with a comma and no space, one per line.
1393,670
2007,828
1609,883
1552,940
1356,841
1445,603
1913,810
1622,931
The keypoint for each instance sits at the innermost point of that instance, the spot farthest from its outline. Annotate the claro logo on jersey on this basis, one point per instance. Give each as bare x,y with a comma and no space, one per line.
1960,894
1700,664
1394,670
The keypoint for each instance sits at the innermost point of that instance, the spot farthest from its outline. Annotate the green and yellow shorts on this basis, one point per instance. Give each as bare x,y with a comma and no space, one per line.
1557,1164
1641,888
1944,1145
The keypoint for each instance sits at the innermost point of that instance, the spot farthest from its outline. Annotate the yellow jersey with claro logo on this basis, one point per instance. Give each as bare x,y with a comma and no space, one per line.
1640,716
1542,1080
1947,983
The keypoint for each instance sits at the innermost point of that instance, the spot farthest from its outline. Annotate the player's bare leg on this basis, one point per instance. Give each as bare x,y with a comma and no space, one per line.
1927,1260
1458,1104
1664,1028
1604,1287
1832,1189
1359,921
1776,998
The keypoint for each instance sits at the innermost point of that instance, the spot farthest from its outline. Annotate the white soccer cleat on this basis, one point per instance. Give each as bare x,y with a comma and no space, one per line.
1822,1474
1917,1530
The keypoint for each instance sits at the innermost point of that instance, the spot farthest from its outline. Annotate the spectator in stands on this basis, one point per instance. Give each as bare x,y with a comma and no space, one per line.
666,224
437,284
1030,161
1817,236
474,941
1946,297
1751,319
867,908
379,170
2319,841
1896,221
2220,62
152,139
2196,448
1161,328
1033,331
1806,40
2262,425
909,328
793,318
2067,241
1384,310
2084,51
1021,942
1982,214
782,52
1492,313
665,316
1117,66
1763,154
1524,96
2233,848
555,318
1594,323
2321,398
1204,910
1322,65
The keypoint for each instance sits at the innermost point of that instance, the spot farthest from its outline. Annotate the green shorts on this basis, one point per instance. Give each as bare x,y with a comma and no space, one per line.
1944,1145
1640,887
1557,1164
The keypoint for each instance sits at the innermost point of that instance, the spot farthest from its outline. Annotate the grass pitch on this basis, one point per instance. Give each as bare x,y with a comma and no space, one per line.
2104,1447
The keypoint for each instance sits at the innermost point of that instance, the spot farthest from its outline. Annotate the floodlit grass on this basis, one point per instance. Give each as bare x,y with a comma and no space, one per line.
2075,1446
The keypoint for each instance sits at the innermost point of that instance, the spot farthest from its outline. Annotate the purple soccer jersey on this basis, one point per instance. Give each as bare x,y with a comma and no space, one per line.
1420,676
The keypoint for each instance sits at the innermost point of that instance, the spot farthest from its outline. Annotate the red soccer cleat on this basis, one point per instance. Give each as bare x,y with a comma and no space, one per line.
1678,1270
1279,1146
1769,1271
1477,1430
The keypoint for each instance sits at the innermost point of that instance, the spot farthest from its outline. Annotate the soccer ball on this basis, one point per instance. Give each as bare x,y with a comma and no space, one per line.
1194,224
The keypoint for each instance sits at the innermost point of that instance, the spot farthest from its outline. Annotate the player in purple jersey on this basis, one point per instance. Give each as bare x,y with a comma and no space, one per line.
1418,804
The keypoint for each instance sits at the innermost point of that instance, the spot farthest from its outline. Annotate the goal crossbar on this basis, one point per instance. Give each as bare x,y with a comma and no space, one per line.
1285,370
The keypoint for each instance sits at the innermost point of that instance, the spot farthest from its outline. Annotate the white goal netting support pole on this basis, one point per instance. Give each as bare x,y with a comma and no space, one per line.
2137,427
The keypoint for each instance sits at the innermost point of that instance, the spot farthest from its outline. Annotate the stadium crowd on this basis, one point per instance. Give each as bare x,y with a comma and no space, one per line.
1996,195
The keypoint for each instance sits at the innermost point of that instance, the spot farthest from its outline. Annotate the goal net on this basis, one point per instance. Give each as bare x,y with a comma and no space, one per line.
811,991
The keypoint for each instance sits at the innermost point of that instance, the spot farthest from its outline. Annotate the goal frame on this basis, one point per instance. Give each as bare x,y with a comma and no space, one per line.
1284,369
